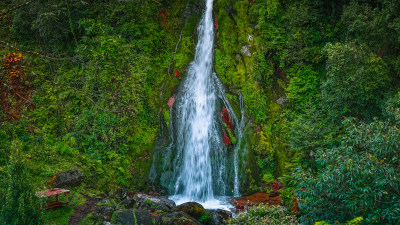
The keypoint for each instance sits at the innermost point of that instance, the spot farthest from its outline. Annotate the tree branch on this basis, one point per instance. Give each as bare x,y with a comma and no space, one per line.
15,8
72,59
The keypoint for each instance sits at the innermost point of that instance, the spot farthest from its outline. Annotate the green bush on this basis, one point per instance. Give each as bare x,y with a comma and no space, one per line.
357,178
287,197
18,203
356,81
264,214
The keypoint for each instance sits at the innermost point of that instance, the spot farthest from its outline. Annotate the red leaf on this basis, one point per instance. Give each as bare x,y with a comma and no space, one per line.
225,116
216,21
177,73
225,139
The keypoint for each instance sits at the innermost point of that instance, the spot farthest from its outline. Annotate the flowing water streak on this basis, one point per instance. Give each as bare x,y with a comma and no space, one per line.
195,119
238,131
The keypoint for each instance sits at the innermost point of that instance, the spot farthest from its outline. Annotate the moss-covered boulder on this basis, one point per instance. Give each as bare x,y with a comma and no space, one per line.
144,201
218,216
71,178
192,209
134,217
177,218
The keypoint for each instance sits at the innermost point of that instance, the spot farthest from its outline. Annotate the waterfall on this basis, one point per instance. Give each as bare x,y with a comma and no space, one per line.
197,164
196,112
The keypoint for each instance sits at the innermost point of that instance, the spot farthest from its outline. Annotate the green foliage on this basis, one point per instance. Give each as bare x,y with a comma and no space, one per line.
264,69
263,214
359,177
303,88
355,81
96,106
256,102
355,221
287,197
50,23
373,26
205,218
310,130
18,203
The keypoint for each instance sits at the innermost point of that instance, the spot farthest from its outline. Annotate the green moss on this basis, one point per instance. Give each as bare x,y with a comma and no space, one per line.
58,215
166,116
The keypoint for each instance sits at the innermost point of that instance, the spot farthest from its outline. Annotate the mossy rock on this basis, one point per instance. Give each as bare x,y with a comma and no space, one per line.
177,218
193,209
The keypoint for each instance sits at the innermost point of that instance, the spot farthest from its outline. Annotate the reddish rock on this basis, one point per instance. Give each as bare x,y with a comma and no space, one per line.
171,101
255,199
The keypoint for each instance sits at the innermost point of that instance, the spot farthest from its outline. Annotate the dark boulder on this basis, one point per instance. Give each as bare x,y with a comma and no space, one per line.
218,216
134,217
125,217
104,212
192,209
153,203
177,218
71,178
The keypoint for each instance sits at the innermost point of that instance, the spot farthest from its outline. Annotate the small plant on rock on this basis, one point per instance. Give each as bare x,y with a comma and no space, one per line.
264,214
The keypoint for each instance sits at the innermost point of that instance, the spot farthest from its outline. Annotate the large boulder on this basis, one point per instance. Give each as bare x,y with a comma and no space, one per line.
177,218
134,217
144,201
192,209
218,216
71,178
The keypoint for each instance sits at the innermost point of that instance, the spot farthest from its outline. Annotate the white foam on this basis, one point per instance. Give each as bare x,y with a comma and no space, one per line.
221,202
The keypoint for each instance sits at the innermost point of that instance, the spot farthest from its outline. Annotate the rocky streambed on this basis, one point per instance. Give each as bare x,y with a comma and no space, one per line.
146,209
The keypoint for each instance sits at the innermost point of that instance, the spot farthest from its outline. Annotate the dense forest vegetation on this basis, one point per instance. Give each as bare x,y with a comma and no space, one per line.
85,85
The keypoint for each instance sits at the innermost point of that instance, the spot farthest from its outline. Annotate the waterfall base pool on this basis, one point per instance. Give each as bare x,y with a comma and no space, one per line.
220,202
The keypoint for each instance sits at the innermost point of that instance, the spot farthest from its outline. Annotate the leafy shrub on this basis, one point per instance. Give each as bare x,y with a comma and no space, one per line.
18,203
359,177
263,214
356,80
205,217
303,87
287,197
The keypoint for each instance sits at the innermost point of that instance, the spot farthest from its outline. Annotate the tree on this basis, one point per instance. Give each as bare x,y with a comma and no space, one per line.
357,178
355,83
18,203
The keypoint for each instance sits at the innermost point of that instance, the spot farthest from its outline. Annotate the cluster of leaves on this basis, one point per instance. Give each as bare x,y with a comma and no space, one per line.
18,203
264,214
359,177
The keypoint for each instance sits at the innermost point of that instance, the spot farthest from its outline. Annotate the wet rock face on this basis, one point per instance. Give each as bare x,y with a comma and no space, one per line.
192,209
218,216
71,178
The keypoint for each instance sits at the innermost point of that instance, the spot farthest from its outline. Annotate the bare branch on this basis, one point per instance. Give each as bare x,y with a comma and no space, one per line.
72,59
15,8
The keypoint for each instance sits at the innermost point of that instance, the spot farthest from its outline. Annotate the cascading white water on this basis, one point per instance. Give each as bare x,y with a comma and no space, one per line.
197,165
196,112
